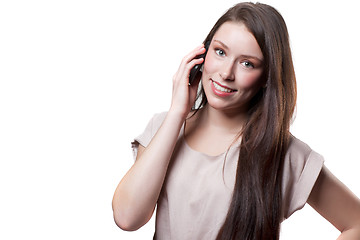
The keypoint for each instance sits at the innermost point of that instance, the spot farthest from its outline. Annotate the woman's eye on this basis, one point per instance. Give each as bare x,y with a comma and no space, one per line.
220,52
247,64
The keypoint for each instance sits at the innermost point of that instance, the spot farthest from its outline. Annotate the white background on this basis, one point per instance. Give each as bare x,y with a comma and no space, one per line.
80,79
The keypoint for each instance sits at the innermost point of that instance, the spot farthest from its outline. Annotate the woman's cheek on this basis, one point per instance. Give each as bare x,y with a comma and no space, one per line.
250,79
210,64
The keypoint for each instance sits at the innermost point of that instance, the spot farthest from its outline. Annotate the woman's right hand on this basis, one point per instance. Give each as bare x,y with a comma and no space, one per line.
143,179
183,94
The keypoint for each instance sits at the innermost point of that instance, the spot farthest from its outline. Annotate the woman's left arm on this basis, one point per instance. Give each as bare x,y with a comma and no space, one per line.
335,202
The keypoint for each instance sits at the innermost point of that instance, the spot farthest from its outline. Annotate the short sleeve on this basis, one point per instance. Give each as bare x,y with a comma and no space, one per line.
302,167
145,137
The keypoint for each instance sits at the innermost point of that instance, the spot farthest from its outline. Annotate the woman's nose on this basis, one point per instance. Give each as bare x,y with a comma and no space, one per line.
227,71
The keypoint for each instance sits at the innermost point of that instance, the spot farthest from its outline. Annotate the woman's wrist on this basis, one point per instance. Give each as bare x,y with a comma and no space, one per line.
178,114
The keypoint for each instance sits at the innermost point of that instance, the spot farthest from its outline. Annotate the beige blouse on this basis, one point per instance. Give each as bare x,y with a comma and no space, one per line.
197,191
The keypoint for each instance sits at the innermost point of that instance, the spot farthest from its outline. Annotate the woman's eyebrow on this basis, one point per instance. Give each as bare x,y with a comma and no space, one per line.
221,43
243,55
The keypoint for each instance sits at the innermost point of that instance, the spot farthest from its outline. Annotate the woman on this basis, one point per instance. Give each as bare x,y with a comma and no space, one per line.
230,169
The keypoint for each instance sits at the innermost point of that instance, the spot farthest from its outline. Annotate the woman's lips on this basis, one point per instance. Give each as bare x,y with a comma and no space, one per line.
221,90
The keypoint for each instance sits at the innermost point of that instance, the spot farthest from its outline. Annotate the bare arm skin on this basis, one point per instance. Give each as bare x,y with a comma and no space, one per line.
336,203
136,195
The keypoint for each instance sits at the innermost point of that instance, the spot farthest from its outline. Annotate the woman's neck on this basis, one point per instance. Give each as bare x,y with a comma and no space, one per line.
229,122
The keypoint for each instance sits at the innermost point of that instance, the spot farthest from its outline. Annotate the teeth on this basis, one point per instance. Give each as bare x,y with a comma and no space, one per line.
220,88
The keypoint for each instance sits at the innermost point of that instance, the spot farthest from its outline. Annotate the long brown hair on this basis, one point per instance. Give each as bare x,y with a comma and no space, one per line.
256,209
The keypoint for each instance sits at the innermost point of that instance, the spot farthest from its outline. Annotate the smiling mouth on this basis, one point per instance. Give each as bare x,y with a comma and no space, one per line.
222,88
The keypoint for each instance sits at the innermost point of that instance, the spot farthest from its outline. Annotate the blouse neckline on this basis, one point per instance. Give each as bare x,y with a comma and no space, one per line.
232,146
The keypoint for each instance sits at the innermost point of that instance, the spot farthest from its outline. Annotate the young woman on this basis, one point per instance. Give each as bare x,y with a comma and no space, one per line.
230,169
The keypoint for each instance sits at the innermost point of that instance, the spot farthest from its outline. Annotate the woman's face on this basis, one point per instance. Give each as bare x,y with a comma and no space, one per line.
232,68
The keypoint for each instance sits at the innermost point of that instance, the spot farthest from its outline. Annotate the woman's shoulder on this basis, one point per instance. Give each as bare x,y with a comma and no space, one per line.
299,150
156,120
159,116
298,146
302,166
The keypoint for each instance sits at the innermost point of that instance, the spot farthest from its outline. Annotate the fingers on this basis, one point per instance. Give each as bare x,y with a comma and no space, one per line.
188,62
191,56
183,95
197,51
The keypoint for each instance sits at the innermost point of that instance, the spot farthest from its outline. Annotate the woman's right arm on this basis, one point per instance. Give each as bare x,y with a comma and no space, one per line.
136,195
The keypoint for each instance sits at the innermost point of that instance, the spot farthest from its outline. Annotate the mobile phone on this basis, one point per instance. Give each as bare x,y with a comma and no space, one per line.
195,72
